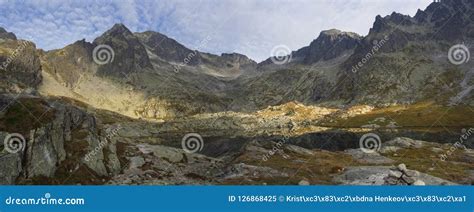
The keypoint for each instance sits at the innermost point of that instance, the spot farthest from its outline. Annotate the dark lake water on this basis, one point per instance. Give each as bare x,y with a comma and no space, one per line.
331,140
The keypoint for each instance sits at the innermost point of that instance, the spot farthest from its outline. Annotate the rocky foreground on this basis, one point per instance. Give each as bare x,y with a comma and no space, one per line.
259,163
72,145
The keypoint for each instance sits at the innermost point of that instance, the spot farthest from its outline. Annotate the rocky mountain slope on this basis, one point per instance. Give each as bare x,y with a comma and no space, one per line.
19,64
114,111
403,57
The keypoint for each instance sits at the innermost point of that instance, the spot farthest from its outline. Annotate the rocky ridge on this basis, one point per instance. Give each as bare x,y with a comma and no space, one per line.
76,142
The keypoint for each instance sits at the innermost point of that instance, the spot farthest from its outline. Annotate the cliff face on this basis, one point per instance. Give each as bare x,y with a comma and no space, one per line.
129,54
411,62
20,69
153,76
329,45
402,60
67,139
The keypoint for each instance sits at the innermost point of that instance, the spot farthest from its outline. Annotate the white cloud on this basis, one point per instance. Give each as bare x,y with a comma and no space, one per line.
251,27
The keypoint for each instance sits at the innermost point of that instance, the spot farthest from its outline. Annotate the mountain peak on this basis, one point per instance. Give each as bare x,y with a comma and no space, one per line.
329,44
167,48
331,32
451,20
126,47
119,27
6,35
336,32
118,30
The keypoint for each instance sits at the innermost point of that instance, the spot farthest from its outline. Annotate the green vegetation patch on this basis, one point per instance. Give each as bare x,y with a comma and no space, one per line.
26,114
418,115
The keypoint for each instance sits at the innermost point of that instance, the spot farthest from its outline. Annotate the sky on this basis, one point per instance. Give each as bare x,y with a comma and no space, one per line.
249,27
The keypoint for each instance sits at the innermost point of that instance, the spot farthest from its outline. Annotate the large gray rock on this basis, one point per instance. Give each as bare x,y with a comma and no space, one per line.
45,147
246,171
375,175
298,150
168,153
42,157
167,166
403,142
20,67
368,158
11,167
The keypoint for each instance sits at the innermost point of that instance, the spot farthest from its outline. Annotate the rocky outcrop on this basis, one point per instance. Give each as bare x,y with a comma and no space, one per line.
20,68
161,165
329,45
368,158
6,35
10,164
67,139
170,51
385,175
406,58
167,48
402,176
128,53
68,65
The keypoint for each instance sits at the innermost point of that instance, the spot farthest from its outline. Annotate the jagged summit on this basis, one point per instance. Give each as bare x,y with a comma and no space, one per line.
329,44
171,74
130,54
6,35
448,19
118,29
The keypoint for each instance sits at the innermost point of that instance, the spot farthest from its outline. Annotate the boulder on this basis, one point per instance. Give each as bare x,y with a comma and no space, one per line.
404,142
368,158
385,175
